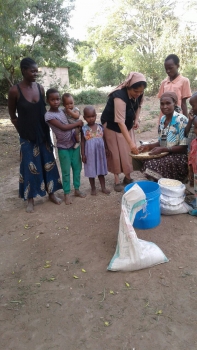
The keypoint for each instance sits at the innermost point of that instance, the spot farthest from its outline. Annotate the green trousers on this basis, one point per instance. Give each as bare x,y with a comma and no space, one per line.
70,158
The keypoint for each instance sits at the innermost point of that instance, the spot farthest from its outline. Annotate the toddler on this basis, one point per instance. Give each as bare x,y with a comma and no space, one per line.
72,114
68,155
93,150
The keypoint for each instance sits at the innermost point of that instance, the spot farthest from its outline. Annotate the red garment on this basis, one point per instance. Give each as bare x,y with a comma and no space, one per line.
192,158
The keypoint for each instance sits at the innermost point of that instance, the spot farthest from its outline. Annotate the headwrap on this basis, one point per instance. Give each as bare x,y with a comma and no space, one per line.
174,97
170,94
132,78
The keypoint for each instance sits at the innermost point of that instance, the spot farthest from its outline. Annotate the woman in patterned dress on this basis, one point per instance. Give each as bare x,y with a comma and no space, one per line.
38,170
171,139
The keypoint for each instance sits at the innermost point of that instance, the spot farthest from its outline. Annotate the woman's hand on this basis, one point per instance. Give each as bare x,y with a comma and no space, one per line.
144,148
136,125
156,150
134,150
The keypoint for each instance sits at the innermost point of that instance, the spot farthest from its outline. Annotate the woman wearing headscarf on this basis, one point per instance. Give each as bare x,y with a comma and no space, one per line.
119,118
38,169
171,139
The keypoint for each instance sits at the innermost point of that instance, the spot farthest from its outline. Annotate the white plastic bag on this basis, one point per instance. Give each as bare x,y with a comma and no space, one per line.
133,253
172,191
172,198
166,200
182,208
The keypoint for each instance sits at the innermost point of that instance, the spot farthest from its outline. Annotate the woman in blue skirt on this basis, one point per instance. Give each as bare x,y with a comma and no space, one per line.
38,169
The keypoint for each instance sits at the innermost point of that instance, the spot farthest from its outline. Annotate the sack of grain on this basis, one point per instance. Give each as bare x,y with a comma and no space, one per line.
172,197
171,188
133,253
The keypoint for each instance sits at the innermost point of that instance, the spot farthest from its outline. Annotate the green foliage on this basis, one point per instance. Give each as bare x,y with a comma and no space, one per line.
32,28
89,96
137,36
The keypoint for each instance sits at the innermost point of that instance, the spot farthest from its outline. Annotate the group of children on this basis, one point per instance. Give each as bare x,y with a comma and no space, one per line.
67,127
70,132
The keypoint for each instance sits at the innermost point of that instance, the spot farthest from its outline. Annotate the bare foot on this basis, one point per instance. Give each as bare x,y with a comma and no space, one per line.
54,199
30,206
67,199
105,190
79,194
93,191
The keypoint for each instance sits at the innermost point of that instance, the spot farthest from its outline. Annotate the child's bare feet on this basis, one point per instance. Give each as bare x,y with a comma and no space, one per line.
79,194
30,206
93,191
54,199
67,199
105,190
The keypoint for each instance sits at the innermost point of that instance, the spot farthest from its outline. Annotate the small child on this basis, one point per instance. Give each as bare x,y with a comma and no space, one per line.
69,156
189,129
192,156
72,113
93,150
175,83
192,161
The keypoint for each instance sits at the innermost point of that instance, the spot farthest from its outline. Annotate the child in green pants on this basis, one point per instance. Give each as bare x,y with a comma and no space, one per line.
68,155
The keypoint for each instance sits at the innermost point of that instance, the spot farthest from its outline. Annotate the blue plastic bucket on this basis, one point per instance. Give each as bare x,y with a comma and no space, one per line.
151,217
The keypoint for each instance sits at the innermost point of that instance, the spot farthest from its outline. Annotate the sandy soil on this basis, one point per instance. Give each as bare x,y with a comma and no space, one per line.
44,307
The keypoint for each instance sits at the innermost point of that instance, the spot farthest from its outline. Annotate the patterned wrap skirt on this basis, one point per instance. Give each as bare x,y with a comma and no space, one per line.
38,170
172,166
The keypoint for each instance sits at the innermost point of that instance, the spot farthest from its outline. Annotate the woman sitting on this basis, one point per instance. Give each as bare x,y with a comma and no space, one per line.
171,139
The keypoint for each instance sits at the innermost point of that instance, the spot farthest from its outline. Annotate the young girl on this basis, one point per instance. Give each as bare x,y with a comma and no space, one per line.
189,129
72,114
175,83
192,161
192,158
69,156
93,150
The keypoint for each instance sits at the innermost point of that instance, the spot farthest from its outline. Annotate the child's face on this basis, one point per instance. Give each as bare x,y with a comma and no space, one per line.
54,100
68,102
90,117
193,103
171,68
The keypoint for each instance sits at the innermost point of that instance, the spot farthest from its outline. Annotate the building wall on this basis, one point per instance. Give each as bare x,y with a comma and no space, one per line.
54,77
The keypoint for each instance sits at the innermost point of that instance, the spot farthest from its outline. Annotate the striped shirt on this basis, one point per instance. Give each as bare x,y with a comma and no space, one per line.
64,139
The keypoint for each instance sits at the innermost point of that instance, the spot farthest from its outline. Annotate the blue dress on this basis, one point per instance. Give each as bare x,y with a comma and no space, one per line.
96,163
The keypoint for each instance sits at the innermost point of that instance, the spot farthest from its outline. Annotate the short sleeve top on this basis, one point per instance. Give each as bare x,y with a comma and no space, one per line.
120,109
64,139
180,85
174,131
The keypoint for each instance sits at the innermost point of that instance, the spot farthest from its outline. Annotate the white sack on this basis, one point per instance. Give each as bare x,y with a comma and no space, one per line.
166,200
133,253
172,191
167,209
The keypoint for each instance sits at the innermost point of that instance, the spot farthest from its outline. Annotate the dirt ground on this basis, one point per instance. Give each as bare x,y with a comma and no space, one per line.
44,307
